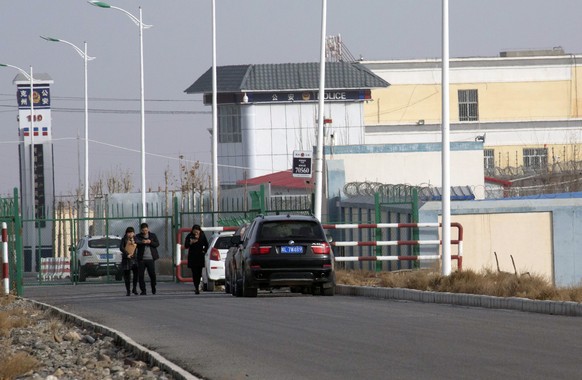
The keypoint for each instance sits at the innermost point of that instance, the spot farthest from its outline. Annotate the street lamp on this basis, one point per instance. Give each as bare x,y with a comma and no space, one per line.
446,149
142,26
83,54
30,77
319,149
214,117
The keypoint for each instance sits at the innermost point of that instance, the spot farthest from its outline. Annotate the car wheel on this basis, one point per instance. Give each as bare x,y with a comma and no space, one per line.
328,291
308,290
204,280
238,286
210,286
247,290
233,288
82,273
295,289
226,285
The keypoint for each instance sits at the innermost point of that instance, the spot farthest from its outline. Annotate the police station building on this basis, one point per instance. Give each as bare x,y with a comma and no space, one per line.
268,111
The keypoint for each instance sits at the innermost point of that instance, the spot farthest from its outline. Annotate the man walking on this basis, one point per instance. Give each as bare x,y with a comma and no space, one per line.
147,253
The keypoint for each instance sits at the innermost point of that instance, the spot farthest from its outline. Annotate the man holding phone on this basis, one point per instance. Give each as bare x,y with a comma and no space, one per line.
147,253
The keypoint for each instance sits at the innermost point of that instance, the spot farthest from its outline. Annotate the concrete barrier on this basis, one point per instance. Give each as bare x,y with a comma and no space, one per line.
572,309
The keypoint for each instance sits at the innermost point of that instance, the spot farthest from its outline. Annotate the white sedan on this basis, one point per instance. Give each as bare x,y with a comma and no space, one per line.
213,272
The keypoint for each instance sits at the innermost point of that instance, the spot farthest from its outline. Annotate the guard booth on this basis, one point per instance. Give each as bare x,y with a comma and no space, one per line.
36,166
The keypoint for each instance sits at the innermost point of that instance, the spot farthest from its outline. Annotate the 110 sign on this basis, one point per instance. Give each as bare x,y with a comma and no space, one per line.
28,118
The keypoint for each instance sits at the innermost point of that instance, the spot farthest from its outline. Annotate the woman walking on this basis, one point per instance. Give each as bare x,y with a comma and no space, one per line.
197,244
128,259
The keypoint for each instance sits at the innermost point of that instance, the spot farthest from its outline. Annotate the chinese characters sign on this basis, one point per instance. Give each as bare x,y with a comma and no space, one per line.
41,97
35,126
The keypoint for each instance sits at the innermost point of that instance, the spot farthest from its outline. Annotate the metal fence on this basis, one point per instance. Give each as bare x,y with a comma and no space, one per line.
50,244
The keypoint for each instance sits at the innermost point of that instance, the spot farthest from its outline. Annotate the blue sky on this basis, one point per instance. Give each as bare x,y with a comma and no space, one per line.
177,50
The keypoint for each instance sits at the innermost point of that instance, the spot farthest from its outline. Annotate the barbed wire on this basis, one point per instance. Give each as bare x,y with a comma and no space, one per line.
352,189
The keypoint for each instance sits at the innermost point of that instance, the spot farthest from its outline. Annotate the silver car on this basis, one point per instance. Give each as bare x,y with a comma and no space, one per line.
99,256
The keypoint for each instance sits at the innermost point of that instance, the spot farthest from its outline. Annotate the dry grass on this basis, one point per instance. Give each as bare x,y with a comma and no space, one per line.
11,318
487,282
16,365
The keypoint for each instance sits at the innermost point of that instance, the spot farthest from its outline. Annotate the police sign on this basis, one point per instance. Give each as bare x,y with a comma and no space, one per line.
302,163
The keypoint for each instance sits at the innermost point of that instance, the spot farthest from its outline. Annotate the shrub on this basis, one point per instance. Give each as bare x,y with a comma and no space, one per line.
486,282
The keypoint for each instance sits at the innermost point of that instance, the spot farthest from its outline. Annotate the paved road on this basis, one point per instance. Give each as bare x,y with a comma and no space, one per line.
289,336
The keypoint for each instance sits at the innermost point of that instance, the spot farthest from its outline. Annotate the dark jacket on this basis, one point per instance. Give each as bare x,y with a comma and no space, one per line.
155,243
196,251
127,263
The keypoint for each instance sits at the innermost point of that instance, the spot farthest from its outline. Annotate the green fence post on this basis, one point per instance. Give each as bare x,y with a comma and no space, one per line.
415,230
177,225
18,244
262,199
73,267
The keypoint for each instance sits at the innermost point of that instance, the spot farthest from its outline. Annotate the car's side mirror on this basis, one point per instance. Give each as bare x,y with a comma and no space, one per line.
329,238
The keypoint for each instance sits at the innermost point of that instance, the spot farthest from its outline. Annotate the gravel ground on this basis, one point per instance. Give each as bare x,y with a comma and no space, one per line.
62,351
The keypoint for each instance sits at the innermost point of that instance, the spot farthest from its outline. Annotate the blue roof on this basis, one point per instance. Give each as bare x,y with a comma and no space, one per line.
458,193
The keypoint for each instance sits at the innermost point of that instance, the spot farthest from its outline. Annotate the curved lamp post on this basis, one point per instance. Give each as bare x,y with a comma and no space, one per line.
30,77
142,26
321,115
83,54
215,207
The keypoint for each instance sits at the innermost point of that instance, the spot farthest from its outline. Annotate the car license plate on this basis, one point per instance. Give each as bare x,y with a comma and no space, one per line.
292,249
106,256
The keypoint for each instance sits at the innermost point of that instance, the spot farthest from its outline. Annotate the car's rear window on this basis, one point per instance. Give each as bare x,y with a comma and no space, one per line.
104,243
291,230
223,242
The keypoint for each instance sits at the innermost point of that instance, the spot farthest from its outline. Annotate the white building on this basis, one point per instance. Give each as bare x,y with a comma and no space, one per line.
267,111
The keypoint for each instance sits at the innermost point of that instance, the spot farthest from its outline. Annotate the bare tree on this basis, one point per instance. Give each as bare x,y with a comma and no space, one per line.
192,177
117,181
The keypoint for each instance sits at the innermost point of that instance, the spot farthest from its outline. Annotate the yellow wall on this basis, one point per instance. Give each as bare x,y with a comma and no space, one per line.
525,236
577,92
512,156
406,104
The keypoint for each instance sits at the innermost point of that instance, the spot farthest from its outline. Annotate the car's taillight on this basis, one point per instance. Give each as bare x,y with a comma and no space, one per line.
258,249
214,254
321,248
87,253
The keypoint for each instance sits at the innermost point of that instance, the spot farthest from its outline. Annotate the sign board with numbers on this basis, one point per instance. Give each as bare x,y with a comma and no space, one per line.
302,163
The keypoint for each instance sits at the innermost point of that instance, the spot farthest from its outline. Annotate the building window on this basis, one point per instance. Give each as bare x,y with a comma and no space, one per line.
229,130
535,158
468,105
488,159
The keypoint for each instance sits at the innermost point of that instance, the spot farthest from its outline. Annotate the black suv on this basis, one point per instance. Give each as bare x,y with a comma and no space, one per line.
282,251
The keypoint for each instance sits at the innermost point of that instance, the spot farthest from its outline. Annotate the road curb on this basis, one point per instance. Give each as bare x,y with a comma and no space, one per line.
142,353
567,308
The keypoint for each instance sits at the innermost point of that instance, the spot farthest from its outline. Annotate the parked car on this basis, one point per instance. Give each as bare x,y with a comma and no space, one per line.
282,251
99,256
213,272
228,263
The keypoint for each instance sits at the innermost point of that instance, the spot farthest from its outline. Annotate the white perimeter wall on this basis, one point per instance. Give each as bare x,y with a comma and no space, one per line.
390,164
